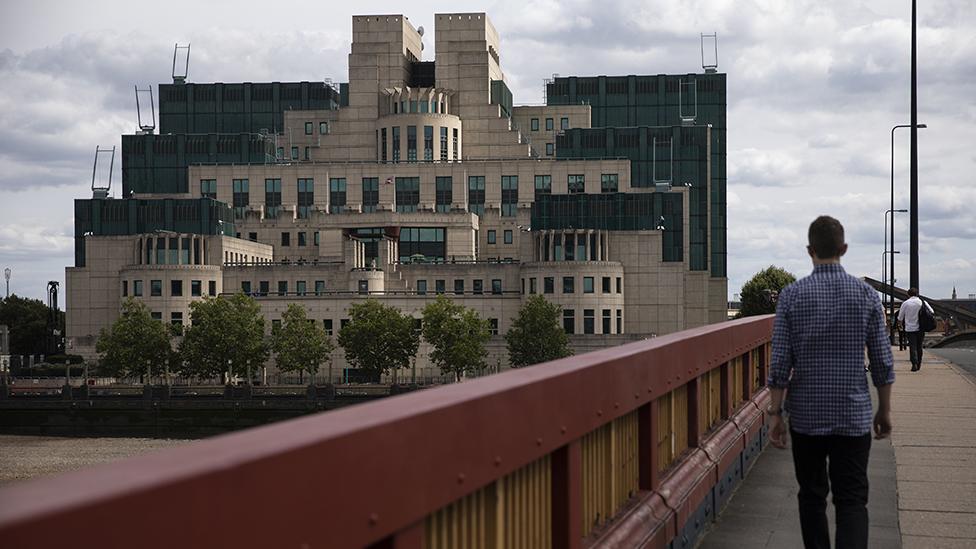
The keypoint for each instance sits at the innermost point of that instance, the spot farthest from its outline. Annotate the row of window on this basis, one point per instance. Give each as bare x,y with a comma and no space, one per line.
175,288
477,286
323,128
407,191
569,285
589,321
507,236
172,250
563,124
428,137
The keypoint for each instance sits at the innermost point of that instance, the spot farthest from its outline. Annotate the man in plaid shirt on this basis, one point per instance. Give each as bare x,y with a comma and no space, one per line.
823,323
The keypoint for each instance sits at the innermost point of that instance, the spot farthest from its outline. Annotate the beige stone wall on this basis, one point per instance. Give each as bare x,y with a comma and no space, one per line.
577,116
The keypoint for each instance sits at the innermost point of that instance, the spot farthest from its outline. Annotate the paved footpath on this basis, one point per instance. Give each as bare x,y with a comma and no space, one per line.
923,480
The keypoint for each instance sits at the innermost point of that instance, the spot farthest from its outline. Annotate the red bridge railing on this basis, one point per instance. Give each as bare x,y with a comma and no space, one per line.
631,446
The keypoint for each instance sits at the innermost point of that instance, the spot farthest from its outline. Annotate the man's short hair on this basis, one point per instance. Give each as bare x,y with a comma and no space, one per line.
826,237
913,292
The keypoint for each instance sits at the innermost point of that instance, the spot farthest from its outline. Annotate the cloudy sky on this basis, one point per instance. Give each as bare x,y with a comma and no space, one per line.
814,89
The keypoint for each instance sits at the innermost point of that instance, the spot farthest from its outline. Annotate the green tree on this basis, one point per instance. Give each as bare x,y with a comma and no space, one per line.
27,320
457,335
134,343
225,334
378,338
299,344
759,294
535,335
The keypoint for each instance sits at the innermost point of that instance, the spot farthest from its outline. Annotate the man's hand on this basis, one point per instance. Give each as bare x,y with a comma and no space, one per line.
777,432
882,425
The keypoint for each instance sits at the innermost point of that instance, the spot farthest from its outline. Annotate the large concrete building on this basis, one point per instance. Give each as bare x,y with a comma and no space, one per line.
419,178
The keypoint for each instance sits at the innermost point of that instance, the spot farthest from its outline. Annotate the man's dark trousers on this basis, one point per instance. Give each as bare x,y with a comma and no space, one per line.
915,348
846,475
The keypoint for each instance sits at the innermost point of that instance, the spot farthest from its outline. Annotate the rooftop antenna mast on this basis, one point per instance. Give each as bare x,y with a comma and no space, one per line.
179,75
151,123
711,65
101,185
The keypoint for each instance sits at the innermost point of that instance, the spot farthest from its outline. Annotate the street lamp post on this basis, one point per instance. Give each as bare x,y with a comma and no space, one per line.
888,297
891,270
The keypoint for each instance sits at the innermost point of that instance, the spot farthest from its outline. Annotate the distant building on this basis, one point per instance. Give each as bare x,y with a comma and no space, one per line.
418,178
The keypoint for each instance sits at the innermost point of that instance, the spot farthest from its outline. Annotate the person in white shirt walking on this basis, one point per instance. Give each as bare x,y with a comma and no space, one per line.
908,317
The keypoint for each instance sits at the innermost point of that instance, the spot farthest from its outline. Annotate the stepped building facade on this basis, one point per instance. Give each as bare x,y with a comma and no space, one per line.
414,179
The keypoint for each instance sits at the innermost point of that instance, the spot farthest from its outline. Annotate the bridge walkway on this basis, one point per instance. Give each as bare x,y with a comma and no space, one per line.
923,480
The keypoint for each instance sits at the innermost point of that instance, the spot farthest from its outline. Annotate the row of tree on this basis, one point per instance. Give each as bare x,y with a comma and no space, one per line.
226,336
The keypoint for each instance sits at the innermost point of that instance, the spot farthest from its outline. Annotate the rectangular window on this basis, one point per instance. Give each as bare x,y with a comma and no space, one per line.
176,288
264,287
327,326
301,287
272,198
149,250
282,287
196,288
508,236
549,285
319,287
337,194
323,128
455,143
412,142
493,326
570,243
428,143
208,188
606,321
543,185
549,127
306,197
302,239
137,288
606,284
421,287
280,154
564,123
496,286
308,155
422,243
294,153
241,197
396,143
608,183
444,193
532,286
439,287
620,285
308,128
407,194
458,287
383,145
156,315
569,321
176,318
275,325
576,183
534,125
569,284
476,194
364,287
587,284
550,149
253,237
125,288
509,195
443,131
315,238
478,286
491,236
371,193
620,321
174,250
156,288
588,321
246,287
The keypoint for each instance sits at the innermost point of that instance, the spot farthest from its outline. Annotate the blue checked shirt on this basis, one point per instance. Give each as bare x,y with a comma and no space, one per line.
823,323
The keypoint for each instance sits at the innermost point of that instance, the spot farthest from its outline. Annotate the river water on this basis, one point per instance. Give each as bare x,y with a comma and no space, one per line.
25,457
